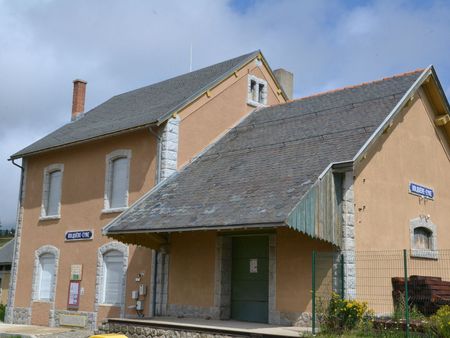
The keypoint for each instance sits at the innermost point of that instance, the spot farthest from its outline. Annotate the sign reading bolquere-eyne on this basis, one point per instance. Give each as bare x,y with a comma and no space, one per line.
421,191
81,235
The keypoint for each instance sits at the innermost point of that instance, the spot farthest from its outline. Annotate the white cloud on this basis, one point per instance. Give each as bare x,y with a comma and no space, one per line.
118,46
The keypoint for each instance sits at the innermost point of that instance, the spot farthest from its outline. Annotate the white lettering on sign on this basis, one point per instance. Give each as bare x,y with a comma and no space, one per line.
254,265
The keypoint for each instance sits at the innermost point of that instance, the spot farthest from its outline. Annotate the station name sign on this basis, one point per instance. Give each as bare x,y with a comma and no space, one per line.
81,235
421,191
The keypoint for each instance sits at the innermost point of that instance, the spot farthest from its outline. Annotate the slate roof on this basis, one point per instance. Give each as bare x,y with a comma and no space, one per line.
6,252
260,170
140,107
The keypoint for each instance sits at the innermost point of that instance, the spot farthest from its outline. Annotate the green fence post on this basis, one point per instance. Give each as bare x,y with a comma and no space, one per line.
405,267
342,277
313,292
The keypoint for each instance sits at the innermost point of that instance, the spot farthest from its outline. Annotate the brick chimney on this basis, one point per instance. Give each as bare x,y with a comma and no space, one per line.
286,80
79,95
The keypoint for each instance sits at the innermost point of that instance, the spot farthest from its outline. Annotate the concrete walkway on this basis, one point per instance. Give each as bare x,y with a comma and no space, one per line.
9,330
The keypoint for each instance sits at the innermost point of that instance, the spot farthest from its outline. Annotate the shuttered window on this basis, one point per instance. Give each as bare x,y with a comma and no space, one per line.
113,277
119,183
46,276
53,193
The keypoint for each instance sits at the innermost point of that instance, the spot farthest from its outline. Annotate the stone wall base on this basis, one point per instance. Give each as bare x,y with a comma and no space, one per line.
21,315
176,310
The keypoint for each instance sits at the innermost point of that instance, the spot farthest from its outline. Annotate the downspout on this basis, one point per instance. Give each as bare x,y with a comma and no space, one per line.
22,170
155,278
12,282
158,179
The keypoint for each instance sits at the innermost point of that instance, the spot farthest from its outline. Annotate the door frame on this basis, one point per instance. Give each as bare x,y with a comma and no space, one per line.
222,292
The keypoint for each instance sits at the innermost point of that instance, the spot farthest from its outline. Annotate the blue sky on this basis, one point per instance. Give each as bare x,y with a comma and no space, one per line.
118,46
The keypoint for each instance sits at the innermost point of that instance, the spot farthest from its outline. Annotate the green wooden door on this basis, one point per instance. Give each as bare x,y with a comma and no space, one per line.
250,279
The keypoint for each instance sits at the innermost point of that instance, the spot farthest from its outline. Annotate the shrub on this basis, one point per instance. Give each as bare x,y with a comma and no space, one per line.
440,322
2,312
344,315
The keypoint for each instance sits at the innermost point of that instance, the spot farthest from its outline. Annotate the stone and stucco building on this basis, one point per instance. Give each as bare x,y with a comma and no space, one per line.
212,189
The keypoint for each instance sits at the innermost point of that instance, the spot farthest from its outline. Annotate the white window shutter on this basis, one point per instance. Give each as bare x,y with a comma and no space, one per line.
46,276
113,272
54,192
119,183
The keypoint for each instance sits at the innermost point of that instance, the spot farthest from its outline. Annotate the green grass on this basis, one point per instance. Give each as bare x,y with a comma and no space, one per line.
4,240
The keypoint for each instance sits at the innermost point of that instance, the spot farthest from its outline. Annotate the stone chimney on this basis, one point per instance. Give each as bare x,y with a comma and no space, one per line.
79,95
286,80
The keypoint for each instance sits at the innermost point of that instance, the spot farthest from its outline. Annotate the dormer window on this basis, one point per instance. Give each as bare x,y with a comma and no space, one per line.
423,238
257,91
51,192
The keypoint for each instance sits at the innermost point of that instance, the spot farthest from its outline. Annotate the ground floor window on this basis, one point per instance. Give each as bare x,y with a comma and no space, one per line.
112,277
46,277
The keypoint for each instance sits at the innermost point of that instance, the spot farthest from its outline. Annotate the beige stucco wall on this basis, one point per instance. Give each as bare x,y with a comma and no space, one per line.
293,281
81,209
413,150
209,117
191,270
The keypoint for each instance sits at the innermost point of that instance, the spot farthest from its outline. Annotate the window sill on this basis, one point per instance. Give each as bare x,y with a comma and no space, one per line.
255,104
427,254
49,218
47,301
113,210
110,305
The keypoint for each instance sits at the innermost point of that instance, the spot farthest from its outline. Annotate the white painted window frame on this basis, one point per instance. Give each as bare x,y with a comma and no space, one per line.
43,250
45,190
258,82
100,282
120,153
423,222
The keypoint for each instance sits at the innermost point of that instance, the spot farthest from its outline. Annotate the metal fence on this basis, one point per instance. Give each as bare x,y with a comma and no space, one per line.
402,285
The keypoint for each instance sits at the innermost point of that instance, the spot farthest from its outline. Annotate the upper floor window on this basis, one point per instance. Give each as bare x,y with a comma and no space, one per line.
112,277
51,195
117,180
257,91
46,276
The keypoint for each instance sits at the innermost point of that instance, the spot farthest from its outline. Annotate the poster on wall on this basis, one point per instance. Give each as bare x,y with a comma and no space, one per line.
73,301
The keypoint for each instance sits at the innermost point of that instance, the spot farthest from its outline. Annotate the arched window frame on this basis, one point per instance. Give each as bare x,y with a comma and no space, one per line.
120,153
426,223
44,250
104,249
46,191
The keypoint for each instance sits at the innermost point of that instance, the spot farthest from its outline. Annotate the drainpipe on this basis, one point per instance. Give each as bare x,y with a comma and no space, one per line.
14,267
22,170
155,278
158,179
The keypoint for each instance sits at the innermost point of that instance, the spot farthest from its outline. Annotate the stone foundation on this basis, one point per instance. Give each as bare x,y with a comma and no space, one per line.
132,330
176,310
21,315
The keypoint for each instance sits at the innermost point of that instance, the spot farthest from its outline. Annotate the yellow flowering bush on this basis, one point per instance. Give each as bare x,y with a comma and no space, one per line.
440,322
344,315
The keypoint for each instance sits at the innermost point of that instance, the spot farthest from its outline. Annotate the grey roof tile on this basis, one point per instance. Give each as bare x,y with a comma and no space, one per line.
260,169
7,252
140,107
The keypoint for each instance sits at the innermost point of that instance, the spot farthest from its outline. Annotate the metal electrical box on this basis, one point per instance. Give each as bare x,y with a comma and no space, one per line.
142,290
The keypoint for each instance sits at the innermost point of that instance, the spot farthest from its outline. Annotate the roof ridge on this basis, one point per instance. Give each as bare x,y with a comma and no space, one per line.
362,84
